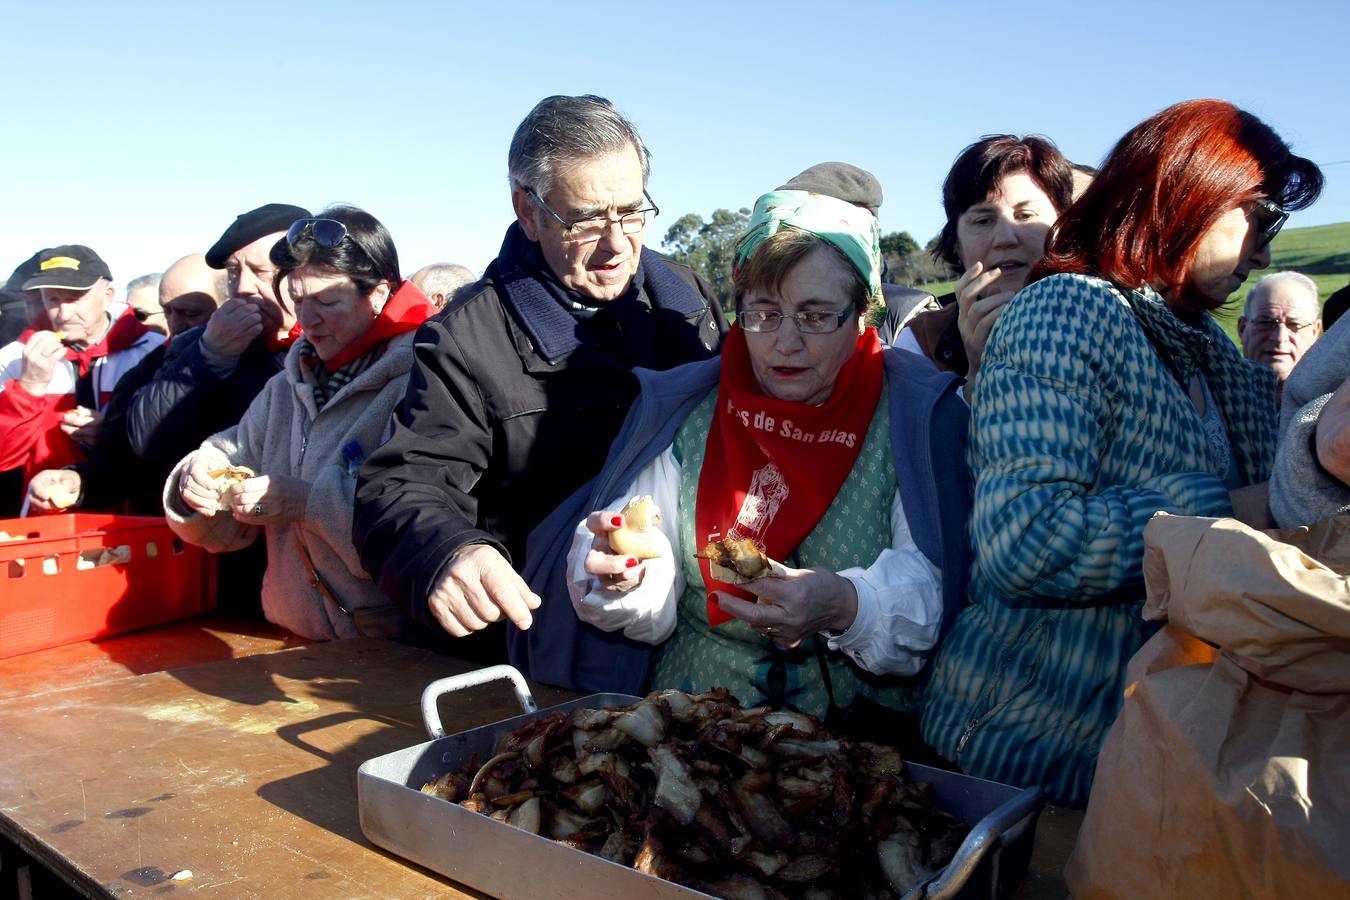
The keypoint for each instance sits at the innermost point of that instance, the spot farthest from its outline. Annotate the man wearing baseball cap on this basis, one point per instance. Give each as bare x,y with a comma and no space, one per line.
54,384
211,374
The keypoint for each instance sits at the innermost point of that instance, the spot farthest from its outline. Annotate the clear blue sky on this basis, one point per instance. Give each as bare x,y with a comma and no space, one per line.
141,129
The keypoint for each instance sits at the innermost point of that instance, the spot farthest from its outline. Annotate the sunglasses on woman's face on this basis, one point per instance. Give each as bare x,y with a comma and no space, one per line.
1269,220
326,232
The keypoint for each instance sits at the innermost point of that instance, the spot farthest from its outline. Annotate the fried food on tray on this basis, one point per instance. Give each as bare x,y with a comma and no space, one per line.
735,802
736,561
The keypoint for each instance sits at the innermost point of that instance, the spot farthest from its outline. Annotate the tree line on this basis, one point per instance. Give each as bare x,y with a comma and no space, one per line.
709,247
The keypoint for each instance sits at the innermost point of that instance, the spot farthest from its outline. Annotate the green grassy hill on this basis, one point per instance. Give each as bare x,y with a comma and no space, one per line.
1321,252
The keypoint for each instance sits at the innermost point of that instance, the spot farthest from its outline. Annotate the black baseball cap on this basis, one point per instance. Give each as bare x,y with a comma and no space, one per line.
72,267
250,226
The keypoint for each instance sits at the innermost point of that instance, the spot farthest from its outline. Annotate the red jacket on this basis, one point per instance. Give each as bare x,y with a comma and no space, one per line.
30,433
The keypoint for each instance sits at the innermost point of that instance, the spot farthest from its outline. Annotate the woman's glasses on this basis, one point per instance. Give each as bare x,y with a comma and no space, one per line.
326,232
758,321
1269,220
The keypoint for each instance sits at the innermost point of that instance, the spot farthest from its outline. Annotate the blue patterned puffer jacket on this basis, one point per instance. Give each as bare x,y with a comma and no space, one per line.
1080,431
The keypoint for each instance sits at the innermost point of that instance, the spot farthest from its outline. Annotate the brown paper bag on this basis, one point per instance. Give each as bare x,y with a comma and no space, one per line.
1227,773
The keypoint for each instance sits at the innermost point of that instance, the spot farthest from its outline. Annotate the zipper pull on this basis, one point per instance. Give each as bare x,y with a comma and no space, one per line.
965,735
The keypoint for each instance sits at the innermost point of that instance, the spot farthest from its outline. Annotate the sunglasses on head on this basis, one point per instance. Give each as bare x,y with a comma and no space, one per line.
326,232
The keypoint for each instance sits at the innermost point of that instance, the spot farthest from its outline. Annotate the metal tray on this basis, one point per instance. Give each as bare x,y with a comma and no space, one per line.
503,861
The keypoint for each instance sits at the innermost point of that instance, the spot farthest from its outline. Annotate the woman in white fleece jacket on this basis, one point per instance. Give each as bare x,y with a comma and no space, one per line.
306,435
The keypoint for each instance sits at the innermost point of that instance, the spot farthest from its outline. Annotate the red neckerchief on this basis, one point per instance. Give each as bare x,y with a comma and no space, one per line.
274,343
126,330
405,311
773,467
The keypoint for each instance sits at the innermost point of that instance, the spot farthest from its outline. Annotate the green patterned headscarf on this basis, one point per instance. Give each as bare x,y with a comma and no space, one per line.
850,228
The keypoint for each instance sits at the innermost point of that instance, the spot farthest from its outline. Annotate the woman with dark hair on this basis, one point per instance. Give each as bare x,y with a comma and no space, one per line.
806,440
1108,394
288,469
1001,197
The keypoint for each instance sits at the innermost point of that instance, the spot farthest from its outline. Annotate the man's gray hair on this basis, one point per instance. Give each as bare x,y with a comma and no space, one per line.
563,130
1262,287
144,283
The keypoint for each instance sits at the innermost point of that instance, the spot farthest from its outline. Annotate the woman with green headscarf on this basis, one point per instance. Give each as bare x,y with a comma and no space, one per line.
807,441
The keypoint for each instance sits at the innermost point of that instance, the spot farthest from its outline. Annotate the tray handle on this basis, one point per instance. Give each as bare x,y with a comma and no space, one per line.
984,836
432,692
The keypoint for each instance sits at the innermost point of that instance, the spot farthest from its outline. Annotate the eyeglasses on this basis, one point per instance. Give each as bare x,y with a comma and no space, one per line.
1271,324
326,232
1269,219
759,321
583,231
143,315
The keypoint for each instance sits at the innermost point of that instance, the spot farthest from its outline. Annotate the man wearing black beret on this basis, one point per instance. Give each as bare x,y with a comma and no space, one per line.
211,374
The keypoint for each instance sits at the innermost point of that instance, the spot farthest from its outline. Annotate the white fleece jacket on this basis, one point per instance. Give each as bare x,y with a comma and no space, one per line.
283,433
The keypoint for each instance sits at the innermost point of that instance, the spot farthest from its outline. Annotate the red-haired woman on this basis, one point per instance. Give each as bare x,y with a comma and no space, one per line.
1108,393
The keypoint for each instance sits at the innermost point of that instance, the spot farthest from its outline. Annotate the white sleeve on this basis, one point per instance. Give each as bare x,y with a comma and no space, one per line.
899,606
647,612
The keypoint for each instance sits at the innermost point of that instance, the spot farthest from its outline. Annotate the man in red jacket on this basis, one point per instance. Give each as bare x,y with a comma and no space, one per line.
54,384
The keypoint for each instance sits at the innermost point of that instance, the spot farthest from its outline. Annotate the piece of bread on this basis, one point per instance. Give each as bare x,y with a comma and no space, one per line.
226,477
634,538
61,498
739,561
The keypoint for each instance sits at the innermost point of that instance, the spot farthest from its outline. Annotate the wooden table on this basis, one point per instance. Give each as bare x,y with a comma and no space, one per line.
229,750
116,775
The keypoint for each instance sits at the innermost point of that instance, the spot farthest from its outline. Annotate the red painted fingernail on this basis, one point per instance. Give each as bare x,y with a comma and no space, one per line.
616,521
631,562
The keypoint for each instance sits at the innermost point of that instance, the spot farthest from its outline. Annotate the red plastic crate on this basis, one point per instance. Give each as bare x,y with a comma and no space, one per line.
79,576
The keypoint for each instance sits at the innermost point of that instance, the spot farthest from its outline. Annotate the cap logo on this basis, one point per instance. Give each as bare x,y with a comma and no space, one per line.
60,262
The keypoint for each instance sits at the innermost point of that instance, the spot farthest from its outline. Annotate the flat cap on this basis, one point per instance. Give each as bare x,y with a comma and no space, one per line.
841,181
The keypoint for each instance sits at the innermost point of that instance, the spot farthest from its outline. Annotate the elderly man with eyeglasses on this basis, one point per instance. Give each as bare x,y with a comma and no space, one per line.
1281,319
522,382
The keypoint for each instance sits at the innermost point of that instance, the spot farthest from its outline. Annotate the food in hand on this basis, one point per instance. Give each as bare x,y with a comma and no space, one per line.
634,538
735,802
61,497
60,335
736,561
227,476
80,415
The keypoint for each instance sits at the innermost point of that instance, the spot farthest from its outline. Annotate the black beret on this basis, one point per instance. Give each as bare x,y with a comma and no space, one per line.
250,226
842,182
